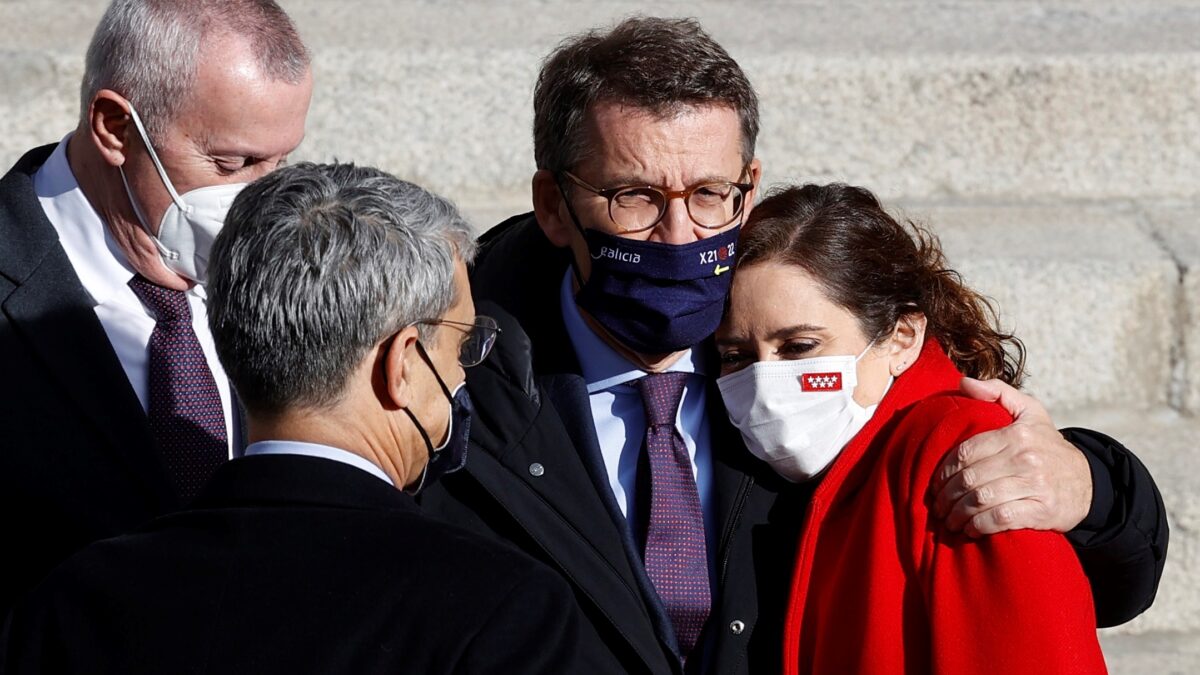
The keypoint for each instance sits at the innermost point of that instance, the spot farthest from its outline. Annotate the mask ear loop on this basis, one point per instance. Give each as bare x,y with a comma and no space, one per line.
864,351
429,362
429,449
165,252
162,173
574,221
891,378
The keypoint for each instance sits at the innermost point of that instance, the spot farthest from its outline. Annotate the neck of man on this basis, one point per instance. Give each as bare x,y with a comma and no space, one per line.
335,429
651,363
102,186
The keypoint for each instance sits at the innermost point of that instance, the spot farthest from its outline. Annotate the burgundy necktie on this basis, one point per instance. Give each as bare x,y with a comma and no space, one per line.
185,413
676,554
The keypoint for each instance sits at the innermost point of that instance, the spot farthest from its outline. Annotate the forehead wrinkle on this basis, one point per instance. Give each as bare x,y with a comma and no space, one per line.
674,151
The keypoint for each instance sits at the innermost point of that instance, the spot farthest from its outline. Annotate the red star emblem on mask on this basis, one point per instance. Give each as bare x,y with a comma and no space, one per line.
821,382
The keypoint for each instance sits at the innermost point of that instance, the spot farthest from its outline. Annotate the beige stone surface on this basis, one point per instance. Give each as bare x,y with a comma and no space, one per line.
1054,145
1172,653
1084,287
1169,445
919,100
1177,227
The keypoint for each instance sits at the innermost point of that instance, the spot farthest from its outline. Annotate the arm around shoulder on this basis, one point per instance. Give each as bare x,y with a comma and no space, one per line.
1031,475
1015,601
1122,543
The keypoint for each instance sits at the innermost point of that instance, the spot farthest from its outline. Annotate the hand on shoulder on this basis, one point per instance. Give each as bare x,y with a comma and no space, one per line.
1021,476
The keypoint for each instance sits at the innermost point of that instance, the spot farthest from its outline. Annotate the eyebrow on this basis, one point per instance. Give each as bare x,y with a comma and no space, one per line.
798,328
236,149
774,335
630,180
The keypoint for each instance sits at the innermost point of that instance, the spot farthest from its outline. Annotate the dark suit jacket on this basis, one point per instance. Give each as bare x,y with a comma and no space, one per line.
289,564
532,408
77,462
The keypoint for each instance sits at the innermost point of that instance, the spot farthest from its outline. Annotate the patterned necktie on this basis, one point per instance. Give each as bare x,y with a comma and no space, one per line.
676,554
185,413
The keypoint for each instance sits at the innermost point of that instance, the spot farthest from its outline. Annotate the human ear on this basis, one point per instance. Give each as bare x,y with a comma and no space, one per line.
109,125
549,209
397,358
906,342
756,179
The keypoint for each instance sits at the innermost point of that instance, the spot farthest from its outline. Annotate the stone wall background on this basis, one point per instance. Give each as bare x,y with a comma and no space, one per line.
1055,147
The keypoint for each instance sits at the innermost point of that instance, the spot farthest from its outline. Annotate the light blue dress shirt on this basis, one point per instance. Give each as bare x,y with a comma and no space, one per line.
317,450
620,416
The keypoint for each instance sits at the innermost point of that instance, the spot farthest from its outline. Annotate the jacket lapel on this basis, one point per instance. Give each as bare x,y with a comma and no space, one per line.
573,483
733,471
571,400
52,313
532,467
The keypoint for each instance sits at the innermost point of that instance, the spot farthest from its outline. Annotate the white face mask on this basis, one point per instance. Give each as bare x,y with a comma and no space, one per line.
190,223
796,415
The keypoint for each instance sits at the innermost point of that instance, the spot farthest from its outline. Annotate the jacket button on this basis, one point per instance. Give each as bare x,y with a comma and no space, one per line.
737,627
536,469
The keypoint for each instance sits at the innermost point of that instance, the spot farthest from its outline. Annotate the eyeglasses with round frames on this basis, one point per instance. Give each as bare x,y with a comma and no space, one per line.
637,208
480,338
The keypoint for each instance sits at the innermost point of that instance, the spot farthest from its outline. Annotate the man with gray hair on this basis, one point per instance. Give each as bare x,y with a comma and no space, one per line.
340,306
114,408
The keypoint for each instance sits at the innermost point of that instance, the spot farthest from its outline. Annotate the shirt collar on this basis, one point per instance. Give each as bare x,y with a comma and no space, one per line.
100,264
603,367
318,450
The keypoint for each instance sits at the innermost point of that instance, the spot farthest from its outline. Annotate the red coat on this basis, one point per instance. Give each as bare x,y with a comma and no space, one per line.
880,586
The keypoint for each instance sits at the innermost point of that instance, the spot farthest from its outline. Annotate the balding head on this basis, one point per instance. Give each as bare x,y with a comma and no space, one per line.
150,51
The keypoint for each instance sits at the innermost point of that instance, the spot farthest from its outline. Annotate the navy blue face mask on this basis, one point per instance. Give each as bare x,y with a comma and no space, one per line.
657,298
451,455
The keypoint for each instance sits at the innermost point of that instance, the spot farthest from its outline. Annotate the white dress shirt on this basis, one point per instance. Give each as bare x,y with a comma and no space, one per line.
620,416
104,272
318,450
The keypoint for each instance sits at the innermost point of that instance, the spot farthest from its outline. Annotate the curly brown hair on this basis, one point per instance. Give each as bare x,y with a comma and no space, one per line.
880,270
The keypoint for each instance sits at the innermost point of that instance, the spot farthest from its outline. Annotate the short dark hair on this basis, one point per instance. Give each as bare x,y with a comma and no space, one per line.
660,65
880,270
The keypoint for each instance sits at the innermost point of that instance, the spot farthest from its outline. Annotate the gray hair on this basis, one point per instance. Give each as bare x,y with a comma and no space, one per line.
149,50
315,266
659,65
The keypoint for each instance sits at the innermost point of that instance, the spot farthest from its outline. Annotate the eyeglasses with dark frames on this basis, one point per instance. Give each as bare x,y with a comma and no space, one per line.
637,208
480,338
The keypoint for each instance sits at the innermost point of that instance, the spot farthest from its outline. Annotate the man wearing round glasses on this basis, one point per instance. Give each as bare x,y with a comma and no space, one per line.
601,446
638,208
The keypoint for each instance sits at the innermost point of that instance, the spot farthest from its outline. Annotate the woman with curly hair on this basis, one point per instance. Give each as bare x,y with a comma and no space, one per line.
842,351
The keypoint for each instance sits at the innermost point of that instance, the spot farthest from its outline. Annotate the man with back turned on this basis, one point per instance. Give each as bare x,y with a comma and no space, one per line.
341,310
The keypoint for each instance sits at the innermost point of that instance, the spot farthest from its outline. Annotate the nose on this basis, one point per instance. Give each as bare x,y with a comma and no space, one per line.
676,226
